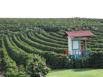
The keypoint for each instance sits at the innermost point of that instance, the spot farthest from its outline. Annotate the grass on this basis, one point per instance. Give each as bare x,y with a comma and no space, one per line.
76,73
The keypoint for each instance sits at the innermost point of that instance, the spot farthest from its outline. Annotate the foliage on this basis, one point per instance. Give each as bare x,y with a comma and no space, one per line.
55,60
25,40
96,60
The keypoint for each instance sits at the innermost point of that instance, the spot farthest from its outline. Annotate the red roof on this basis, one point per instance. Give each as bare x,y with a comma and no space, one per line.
80,33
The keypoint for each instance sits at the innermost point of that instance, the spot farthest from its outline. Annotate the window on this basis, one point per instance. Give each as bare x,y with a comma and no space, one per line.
75,45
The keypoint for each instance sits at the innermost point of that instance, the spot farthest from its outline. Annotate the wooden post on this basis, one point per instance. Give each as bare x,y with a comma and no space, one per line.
69,45
85,45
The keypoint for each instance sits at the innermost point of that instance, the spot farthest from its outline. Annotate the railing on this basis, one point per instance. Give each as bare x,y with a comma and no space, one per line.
79,54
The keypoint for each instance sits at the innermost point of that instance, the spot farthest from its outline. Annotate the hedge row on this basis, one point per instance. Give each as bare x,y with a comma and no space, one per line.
41,36
10,67
52,44
41,46
53,37
28,60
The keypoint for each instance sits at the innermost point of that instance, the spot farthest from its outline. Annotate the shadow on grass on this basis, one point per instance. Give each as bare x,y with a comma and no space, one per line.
82,70
76,70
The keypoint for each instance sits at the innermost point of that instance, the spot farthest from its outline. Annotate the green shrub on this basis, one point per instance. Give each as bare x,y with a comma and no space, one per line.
96,60
55,60
37,66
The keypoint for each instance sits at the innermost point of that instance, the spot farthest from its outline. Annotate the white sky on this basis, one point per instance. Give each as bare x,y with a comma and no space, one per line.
51,8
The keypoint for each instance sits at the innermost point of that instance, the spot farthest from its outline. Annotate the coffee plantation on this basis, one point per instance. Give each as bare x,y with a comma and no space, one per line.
32,47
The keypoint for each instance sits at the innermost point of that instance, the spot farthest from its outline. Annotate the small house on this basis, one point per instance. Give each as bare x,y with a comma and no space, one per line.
77,42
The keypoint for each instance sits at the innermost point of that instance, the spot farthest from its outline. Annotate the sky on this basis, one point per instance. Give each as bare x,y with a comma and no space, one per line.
51,8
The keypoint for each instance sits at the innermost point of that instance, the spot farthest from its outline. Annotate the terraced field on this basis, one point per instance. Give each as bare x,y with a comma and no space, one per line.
21,46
